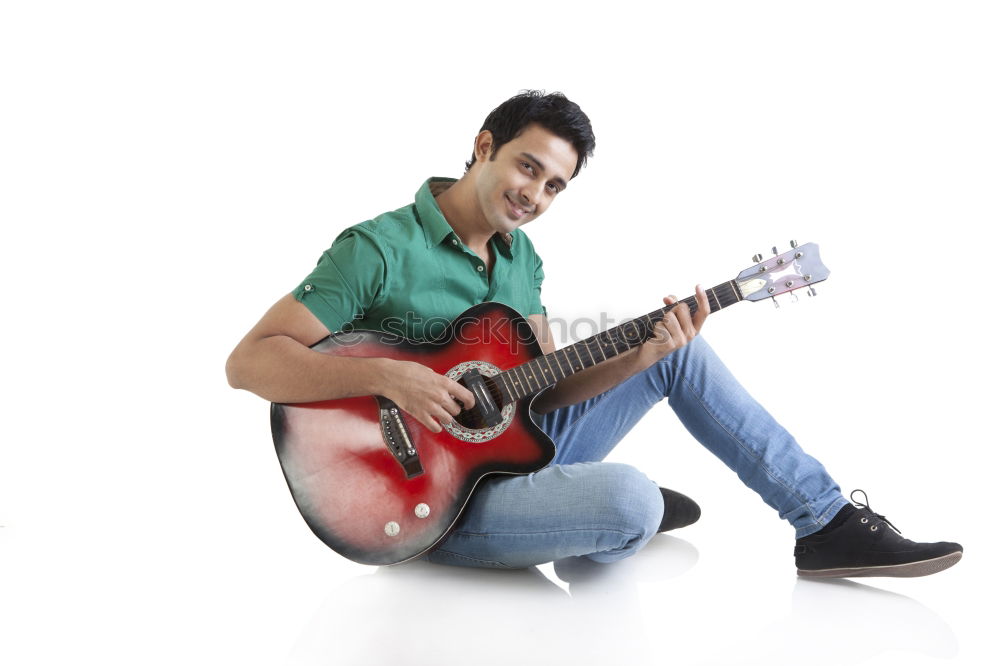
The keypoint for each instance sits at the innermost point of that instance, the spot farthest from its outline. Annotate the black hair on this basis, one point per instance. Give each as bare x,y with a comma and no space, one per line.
553,111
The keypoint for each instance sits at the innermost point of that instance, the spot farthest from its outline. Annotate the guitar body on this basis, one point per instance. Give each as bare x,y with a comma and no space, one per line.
338,460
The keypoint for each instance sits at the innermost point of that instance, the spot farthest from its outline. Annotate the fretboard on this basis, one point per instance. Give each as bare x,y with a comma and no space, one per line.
546,370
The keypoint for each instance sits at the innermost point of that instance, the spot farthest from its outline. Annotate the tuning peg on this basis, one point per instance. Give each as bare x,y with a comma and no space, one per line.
774,249
757,258
794,244
776,304
812,291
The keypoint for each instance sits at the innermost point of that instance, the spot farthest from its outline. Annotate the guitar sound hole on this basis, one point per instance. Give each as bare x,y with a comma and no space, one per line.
493,411
471,419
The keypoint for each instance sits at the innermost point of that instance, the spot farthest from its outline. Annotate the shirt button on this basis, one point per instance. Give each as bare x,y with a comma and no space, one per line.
454,242
308,287
479,268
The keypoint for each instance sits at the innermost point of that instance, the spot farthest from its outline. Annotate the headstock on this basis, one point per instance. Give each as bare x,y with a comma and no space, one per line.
798,268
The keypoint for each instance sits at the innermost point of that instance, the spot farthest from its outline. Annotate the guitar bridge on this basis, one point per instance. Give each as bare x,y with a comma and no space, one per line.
397,438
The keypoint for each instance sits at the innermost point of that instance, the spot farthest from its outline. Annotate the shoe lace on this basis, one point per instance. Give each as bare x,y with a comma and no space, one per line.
870,510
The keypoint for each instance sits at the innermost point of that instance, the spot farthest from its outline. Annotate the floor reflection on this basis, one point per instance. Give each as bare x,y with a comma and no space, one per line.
841,622
421,613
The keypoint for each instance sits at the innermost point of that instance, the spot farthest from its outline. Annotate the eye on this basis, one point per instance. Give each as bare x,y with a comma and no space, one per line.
553,188
527,167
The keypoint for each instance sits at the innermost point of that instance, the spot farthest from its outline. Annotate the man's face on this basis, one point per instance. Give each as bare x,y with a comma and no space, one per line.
523,178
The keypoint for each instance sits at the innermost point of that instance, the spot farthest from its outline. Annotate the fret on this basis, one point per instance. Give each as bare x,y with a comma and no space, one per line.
524,378
716,297
569,359
528,368
547,371
565,357
647,324
617,338
736,294
564,361
506,389
597,340
546,357
517,383
607,339
600,345
613,340
505,395
507,385
577,352
650,324
541,370
638,333
623,338
586,345
628,340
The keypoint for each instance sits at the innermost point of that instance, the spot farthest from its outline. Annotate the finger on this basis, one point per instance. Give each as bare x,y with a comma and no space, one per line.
672,300
703,307
677,335
461,394
690,330
442,415
683,312
660,333
451,406
430,423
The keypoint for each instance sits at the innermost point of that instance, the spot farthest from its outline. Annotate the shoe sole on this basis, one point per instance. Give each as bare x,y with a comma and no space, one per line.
910,570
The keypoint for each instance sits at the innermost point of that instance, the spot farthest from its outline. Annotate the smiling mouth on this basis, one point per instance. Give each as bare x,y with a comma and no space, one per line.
517,211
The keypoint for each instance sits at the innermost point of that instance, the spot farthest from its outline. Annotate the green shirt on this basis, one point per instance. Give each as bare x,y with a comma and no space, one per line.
408,273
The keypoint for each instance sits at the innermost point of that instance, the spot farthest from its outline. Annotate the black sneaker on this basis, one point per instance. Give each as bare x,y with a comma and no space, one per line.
678,510
859,542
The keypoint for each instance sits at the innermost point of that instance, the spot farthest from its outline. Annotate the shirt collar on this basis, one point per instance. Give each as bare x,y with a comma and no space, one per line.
436,228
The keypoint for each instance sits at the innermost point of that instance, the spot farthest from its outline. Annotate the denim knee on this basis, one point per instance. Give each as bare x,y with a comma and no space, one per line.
624,500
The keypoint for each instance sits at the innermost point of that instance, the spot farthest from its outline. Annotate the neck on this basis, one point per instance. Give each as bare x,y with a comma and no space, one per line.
527,378
460,208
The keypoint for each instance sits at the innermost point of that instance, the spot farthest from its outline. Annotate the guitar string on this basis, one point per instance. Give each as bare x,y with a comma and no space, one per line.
616,340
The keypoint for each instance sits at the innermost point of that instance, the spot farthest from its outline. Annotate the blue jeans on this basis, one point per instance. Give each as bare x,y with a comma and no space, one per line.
607,511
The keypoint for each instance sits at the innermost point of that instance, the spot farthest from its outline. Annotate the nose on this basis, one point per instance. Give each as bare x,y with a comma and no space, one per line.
531,194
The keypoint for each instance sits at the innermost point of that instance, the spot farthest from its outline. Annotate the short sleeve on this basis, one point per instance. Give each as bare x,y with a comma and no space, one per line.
535,299
347,280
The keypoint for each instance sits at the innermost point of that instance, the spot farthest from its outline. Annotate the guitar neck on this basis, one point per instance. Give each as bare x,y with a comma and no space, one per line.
531,377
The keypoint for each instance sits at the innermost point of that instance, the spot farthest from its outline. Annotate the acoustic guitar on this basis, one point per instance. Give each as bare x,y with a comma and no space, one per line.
379,488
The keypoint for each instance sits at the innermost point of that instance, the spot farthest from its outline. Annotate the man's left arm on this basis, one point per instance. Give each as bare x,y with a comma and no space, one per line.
676,329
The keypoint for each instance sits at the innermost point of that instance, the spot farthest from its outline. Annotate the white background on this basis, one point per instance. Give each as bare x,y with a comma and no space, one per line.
168,170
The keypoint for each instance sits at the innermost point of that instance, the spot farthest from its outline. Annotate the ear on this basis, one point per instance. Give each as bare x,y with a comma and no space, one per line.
483,149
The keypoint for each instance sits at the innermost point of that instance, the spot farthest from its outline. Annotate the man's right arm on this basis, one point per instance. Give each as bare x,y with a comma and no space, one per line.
274,361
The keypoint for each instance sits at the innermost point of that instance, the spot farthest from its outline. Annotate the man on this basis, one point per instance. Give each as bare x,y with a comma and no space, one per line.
459,244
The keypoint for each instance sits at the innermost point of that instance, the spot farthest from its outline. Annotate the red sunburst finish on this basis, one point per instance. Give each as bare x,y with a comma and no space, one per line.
347,484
